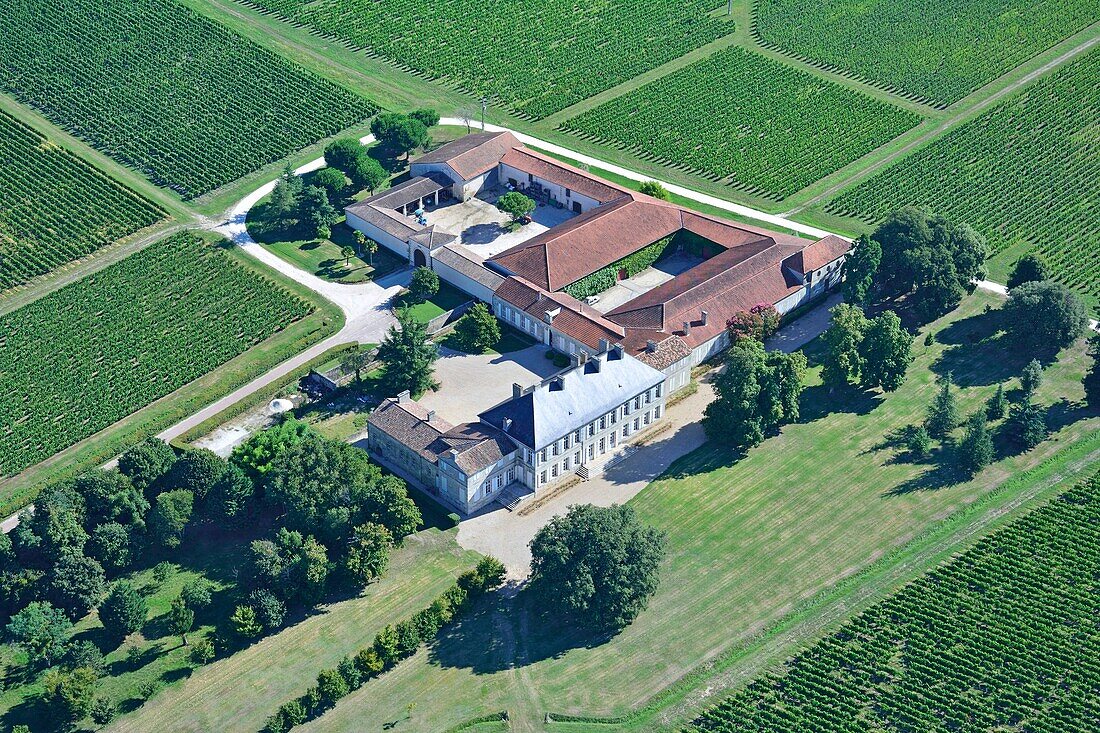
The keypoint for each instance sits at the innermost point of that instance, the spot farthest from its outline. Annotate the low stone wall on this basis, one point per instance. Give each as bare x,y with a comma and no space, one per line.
443,320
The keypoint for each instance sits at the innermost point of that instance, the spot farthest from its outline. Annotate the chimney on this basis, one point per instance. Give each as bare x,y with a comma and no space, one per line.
404,397
453,453
651,346
604,346
550,315
430,417
582,356
505,424
617,351
517,391
705,314
687,328
575,359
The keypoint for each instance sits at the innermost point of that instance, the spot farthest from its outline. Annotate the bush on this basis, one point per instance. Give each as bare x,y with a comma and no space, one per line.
103,711
919,443
654,189
270,611
123,611
147,689
198,594
202,651
454,519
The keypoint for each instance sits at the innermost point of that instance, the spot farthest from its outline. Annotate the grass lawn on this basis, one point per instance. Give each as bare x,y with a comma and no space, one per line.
510,340
448,298
239,692
751,541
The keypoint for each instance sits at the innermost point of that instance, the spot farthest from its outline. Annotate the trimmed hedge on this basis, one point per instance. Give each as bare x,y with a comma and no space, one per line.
606,277
391,645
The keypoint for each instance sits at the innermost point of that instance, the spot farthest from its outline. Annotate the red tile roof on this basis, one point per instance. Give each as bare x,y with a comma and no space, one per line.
563,174
574,319
471,155
820,253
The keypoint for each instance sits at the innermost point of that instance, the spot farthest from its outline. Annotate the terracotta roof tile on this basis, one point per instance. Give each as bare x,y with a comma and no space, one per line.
563,174
471,155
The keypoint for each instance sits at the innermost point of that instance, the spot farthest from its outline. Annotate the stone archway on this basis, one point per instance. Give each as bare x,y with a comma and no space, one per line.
419,260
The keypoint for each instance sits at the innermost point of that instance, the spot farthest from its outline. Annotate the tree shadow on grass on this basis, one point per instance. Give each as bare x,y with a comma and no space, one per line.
978,352
503,633
33,713
821,401
942,472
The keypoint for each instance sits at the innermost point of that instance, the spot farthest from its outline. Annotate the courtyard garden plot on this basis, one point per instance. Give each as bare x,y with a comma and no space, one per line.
83,357
1002,638
751,122
159,87
937,50
1023,174
55,207
533,56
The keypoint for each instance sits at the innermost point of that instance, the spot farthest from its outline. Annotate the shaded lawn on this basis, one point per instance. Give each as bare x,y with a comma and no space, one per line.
510,340
448,298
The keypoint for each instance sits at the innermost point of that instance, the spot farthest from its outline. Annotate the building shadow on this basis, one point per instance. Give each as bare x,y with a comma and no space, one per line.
482,233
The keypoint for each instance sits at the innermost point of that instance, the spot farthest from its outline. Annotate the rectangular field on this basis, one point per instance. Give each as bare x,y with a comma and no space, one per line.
159,87
534,56
1002,638
1023,174
755,123
936,50
84,357
56,207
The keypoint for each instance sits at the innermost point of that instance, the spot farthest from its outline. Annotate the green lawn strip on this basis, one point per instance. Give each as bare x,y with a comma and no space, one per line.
510,340
239,692
448,298
99,448
751,541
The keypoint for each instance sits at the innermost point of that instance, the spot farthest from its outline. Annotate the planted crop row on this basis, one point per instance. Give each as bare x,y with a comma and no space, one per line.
536,57
1024,172
1003,637
755,123
158,86
84,357
937,50
55,207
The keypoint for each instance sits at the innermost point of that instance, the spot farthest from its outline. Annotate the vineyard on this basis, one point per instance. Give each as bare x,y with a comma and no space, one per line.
533,56
83,357
42,227
1024,172
936,50
159,87
754,123
1001,638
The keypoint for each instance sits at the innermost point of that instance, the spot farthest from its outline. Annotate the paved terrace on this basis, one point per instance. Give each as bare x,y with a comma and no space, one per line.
483,228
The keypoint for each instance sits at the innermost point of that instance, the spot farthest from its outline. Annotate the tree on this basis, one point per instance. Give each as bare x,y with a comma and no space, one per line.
41,630
256,454
170,516
69,694
1029,268
424,284
293,566
230,498
1031,377
756,393
56,523
843,359
516,205
347,253
110,496
123,611
84,653
270,611
919,442
1043,317
885,353
943,413
366,172
342,153
103,711
997,406
478,330
407,356
332,686
332,180
928,258
599,565
654,189
146,462
202,651
975,451
1026,424
198,594
1092,376
369,553
399,133
245,624
759,323
76,584
860,268
197,471
317,210
286,196
427,117
355,360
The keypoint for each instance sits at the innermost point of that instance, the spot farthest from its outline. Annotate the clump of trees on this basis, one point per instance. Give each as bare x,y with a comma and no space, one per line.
654,189
400,134
869,352
596,565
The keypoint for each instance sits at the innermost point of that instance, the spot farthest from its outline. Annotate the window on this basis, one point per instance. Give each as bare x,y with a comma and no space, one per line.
637,402
565,464
556,444
568,193
591,449
496,482
657,412
659,386
603,446
510,476
530,177
645,418
648,396
591,429
542,455
577,458
626,430
554,470
577,437
603,422
636,423
542,477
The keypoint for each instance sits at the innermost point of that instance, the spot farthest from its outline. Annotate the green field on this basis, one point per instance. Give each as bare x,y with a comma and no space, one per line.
533,56
1023,174
1002,638
751,541
751,122
155,85
55,207
937,50
88,355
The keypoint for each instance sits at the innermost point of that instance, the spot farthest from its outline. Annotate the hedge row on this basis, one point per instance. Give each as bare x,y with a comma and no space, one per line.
606,277
391,645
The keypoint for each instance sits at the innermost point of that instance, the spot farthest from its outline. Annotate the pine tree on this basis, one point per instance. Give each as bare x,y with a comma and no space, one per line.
997,406
976,447
1026,424
1031,377
943,413
407,356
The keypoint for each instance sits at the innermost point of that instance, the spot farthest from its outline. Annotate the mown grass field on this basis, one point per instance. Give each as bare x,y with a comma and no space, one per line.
748,121
1023,174
239,692
939,50
55,207
751,541
165,90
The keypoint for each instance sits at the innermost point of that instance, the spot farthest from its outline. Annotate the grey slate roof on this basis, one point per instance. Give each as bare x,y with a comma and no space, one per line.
464,261
573,398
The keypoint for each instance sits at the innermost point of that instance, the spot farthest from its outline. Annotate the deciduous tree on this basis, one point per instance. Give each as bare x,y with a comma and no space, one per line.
69,693
860,269
1043,317
516,205
1029,268
76,584
196,470
146,462
843,359
478,330
423,285
170,516
369,553
256,454
885,353
41,630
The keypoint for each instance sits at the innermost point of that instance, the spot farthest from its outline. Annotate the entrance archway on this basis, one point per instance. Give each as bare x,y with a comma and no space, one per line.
419,259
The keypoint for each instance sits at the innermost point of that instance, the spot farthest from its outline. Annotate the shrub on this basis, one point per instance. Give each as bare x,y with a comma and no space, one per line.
202,651
369,662
123,611
147,689
270,611
245,623
654,189
454,519
919,443
198,594
332,686
103,711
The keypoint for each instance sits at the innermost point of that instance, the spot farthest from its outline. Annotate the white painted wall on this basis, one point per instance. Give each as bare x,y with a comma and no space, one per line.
462,282
558,192
390,242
